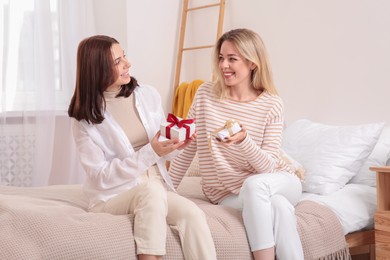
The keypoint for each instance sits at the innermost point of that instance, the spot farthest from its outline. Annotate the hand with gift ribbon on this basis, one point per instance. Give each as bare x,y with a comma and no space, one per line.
165,147
236,138
175,127
231,133
173,120
177,140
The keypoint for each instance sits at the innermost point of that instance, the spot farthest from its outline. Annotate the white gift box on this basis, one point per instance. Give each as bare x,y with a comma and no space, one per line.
176,132
228,131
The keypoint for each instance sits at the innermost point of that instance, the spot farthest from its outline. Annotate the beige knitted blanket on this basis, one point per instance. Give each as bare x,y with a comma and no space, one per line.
320,231
52,223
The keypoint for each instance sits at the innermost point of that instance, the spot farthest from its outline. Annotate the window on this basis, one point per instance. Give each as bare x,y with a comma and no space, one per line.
31,78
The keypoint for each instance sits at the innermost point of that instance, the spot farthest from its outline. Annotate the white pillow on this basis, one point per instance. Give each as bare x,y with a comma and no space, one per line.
379,157
331,155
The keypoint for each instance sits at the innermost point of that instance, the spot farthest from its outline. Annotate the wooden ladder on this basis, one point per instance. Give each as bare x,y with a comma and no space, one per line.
181,48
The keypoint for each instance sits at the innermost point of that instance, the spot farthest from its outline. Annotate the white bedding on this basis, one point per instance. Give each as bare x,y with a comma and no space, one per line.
354,205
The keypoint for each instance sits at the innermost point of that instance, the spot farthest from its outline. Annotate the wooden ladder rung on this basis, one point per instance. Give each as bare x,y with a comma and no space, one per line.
197,47
202,6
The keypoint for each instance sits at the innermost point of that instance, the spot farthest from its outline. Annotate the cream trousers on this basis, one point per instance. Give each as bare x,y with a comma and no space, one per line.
267,202
154,207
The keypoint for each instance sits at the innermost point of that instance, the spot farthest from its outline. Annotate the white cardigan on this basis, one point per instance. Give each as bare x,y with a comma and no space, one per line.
109,160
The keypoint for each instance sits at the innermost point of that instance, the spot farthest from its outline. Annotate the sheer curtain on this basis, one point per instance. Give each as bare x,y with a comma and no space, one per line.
39,40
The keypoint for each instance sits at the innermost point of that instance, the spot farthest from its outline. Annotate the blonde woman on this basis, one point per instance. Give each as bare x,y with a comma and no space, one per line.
245,171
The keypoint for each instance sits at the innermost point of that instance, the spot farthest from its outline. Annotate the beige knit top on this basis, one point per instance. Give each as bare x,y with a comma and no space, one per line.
125,114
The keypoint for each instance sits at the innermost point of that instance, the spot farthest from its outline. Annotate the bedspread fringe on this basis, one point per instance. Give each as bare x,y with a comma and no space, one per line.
342,254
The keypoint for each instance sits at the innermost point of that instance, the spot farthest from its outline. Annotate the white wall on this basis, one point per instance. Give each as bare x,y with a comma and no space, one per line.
152,36
110,19
331,59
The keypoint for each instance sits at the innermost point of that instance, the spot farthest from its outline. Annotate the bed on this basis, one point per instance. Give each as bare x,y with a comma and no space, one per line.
52,222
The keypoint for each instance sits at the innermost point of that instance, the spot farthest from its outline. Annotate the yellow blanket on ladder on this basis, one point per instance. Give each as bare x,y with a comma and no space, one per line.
184,95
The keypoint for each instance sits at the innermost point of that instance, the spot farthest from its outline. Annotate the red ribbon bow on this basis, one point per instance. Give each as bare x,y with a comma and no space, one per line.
180,123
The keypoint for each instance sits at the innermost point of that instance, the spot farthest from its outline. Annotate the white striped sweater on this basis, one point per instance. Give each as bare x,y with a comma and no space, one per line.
224,169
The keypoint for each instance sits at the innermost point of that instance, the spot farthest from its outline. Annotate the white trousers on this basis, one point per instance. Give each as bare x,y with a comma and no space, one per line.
267,202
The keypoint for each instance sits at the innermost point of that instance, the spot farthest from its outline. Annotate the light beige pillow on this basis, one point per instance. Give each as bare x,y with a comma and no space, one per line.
293,164
193,170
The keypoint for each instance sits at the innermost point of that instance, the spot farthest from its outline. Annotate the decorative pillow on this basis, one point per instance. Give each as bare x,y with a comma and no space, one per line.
193,170
331,155
293,164
379,157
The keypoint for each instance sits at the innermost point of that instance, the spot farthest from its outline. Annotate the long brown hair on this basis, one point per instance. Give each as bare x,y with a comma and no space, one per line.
251,47
94,74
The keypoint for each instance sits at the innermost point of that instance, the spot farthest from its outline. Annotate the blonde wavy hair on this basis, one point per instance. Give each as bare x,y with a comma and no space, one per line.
251,47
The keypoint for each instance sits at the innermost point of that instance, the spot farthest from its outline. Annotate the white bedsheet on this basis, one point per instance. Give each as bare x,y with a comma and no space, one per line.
354,205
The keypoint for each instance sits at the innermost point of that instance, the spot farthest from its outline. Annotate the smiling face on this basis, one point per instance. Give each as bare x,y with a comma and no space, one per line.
122,66
236,70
